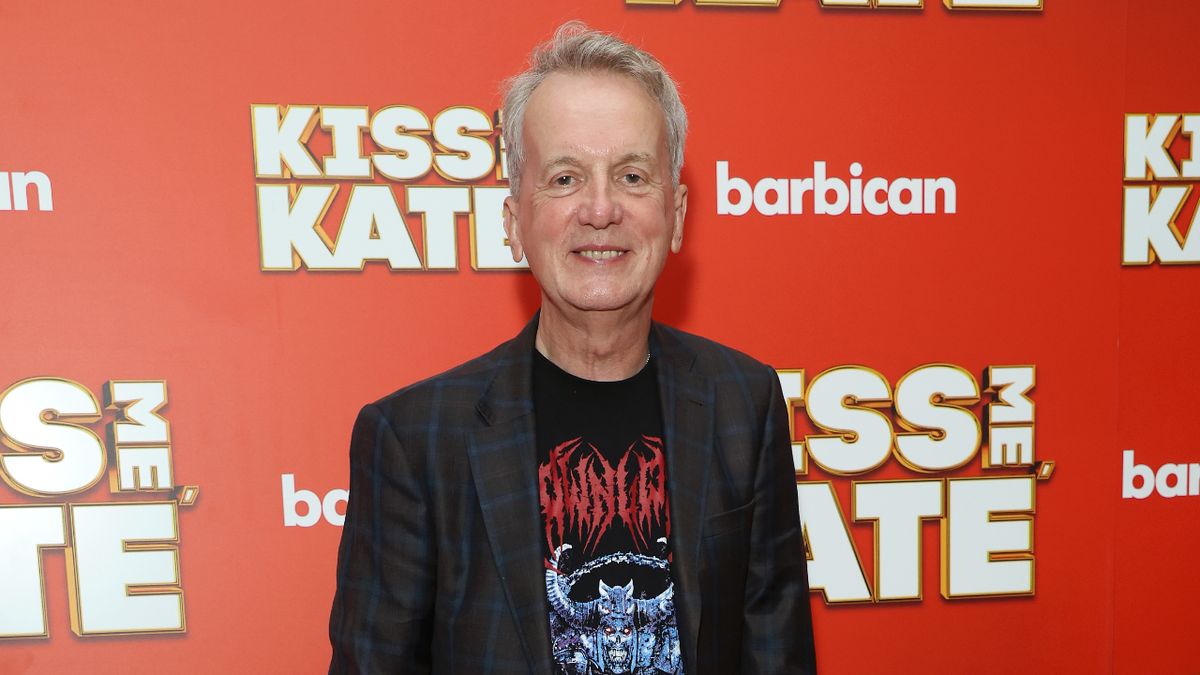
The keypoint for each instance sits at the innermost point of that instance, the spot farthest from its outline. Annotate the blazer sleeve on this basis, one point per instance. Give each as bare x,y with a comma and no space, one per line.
382,616
777,633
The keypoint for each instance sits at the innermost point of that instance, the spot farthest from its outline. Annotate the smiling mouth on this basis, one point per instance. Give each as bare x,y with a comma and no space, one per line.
601,255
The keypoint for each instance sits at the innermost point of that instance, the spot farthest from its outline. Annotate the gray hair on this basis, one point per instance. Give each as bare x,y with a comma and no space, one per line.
577,48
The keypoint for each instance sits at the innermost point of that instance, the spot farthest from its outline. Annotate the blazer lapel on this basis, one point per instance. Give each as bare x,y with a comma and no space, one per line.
688,413
504,467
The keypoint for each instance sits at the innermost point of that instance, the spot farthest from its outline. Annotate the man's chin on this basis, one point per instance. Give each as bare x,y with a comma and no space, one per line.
605,304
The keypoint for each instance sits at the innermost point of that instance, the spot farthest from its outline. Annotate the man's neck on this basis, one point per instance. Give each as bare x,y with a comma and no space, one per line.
600,346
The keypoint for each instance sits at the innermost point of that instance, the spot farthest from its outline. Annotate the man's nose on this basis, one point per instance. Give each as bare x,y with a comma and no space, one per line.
601,205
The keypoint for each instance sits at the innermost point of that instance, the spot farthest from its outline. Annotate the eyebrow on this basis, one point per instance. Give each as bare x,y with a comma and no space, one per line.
564,159
570,160
637,157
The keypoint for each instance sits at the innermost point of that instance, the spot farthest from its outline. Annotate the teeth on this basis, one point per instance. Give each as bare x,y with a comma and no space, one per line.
600,255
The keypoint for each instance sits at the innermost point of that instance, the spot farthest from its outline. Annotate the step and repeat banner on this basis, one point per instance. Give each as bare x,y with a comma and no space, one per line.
962,231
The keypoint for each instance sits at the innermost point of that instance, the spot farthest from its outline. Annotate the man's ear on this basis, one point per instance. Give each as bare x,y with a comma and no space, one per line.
680,212
511,229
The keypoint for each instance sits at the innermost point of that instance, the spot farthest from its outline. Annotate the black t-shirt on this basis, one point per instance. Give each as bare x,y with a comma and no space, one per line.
603,493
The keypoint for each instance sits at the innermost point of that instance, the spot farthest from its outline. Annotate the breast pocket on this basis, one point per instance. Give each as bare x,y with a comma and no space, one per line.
724,560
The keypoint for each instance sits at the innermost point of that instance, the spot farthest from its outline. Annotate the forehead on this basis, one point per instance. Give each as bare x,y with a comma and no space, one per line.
593,112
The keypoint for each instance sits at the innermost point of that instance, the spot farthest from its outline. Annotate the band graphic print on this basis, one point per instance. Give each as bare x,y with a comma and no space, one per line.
608,571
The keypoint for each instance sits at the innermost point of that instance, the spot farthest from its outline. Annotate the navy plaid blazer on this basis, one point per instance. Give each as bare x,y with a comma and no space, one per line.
440,568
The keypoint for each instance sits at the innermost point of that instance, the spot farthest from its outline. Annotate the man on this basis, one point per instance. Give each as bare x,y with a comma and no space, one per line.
601,494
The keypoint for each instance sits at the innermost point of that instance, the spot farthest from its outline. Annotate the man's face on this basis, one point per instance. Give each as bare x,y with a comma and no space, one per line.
596,213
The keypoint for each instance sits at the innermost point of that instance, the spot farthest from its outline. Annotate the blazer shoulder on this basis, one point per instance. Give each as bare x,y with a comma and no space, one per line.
716,359
454,391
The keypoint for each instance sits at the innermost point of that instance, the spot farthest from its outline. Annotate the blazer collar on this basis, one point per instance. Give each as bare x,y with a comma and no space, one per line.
503,458
510,393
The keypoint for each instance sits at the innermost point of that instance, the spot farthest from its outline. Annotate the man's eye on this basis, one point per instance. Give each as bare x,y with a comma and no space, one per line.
564,181
633,179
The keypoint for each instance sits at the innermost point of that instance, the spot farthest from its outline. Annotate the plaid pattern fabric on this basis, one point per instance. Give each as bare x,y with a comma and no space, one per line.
440,567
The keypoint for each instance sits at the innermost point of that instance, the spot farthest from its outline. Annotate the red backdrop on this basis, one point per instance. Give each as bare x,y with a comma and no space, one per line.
148,267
